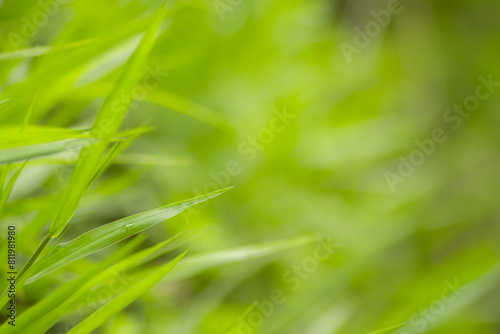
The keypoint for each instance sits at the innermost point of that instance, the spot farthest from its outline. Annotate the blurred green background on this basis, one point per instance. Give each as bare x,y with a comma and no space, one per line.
224,70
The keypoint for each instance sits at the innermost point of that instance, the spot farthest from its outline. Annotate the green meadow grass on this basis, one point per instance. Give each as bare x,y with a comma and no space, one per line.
221,167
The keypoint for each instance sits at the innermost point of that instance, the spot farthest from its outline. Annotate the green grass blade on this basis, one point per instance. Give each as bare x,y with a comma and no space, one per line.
4,173
152,160
111,156
40,50
39,150
198,263
387,330
33,144
62,293
80,296
201,262
8,188
96,319
144,256
109,234
192,109
166,99
107,124
11,137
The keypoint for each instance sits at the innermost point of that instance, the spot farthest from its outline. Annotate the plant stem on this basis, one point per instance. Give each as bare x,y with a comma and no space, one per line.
19,282
34,257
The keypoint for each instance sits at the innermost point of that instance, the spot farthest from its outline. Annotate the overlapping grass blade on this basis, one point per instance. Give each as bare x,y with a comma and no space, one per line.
95,295
11,137
109,234
387,330
62,293
80,296
107,124
167,100
111,156
39,150
8,188
40,50
192,109
33,144
200,262
123,300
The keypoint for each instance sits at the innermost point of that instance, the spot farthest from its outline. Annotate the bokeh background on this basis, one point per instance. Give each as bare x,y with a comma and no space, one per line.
227,69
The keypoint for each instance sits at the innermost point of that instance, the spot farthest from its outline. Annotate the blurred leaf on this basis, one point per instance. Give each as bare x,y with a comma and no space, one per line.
40,50
387,330
5,193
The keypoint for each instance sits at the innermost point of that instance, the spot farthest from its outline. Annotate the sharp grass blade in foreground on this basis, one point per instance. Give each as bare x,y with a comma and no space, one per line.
80,296
95,295
109,234
61,294
96,319
106,125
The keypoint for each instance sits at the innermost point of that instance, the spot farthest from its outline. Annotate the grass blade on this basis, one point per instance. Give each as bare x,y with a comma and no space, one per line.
106,125
387,330
8,188
123,300
33,151
201,262
40,50
62,293
109,234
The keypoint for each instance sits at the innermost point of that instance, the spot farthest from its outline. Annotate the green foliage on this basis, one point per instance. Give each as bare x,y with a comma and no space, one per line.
365,177
109,234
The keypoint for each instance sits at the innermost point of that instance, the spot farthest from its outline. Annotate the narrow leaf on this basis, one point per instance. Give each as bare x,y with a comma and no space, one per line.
109,234
201,262
96,319
106,125
8,188
387,330
60,295
33,151
40,50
